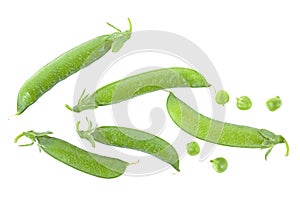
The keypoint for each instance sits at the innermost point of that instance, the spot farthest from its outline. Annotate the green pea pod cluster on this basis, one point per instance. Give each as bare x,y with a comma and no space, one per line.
182,115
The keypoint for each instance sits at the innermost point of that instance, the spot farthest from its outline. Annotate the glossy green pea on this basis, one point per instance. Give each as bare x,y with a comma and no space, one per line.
274,103
193,148
219,132
243,103
67,64
132,139
219,164
222,97
140,84
93,164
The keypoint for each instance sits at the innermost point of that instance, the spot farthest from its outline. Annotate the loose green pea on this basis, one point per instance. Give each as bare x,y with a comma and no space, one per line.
219,164
243,103
222,97
193,148
274,103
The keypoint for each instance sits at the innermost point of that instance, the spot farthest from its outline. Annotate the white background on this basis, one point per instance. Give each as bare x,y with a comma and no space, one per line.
253,44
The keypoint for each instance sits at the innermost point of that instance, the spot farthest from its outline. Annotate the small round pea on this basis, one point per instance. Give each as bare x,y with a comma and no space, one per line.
222,97
193,148
219,164
243,103
274,103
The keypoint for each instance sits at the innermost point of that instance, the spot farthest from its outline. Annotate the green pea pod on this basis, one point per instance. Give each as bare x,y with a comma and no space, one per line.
140,84
218,132
93,164
131,139
67,64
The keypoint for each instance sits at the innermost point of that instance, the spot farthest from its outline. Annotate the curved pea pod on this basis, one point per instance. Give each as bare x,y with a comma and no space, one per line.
93,164
140,84
221,133
67,64
132,139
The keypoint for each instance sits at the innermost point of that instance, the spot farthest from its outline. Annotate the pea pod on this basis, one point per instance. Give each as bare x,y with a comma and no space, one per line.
218,132
67,64
93,164
140,84
132,139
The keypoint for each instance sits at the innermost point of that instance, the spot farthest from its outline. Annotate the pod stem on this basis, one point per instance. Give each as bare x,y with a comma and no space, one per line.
114,27
88,133
119,30
19,136
268,152
82,99
287,147
68,107
32,136
130,24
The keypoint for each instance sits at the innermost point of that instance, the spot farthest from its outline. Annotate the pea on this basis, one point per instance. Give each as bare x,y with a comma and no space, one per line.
140,84
67,64
219,164
218,132
222,97
132,139
243,103
93,164
193,148
274,103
